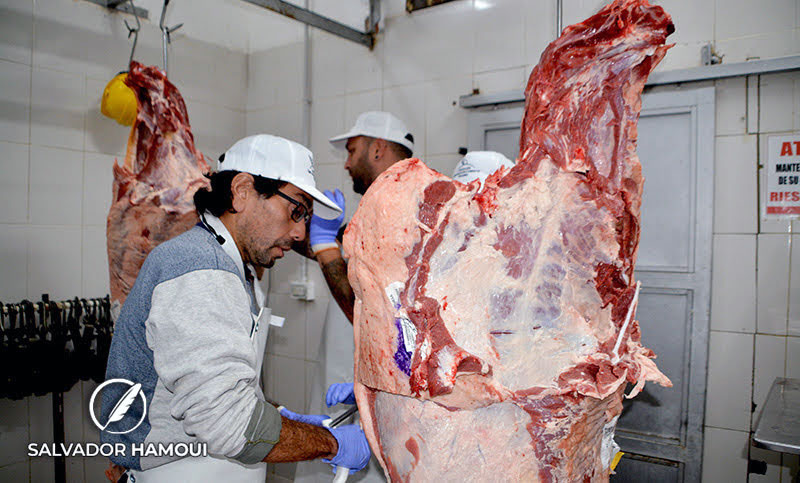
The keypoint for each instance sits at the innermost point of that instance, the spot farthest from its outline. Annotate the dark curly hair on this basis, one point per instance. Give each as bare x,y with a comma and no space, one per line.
219,199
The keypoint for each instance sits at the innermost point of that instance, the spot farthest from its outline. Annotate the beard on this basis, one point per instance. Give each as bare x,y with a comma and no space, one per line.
359,185
361,175
264,258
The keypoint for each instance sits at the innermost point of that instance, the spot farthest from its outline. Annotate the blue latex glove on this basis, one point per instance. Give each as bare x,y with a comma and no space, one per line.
315,419
340,393
353,448
324,231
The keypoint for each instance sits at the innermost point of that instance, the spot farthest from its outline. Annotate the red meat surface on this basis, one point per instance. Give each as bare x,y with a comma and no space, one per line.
493,326
155,186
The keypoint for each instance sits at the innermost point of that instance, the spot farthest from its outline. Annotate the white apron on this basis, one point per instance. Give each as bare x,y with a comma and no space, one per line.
214,469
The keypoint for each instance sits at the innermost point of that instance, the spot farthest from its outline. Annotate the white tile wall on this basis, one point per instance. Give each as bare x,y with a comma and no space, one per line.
733,285
502,80
429,44
98,179
501,38
363,72
681,56
540,29
776,113
290,376
731,106
694,23
14,253
735,186
58,108
56,186
793,357
764,46
445,120
753,18
224,84
443,163
355,104
727,395
14,182
315,323
15,102
773,283
327,120
94,266
327,67
215,128
16,30
54,262
797,88
14,435
794,289
289,340
330,176
289,122
770,362
408,103
725,456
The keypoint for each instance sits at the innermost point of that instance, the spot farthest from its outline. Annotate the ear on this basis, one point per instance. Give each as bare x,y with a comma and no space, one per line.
377,149
241,190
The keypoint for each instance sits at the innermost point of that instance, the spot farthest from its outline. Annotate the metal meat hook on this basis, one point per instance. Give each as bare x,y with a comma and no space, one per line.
133,31
165,33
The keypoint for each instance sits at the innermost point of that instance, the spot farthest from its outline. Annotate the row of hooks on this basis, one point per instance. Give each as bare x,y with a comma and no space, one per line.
46,346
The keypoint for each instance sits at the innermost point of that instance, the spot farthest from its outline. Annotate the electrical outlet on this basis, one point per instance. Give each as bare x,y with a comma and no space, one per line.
302,290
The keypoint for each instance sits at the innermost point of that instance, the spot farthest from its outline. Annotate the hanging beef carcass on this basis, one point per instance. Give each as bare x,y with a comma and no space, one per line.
493,327
154,188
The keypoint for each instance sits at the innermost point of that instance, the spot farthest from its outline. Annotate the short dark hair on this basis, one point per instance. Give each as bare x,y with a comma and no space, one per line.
400,150
219,199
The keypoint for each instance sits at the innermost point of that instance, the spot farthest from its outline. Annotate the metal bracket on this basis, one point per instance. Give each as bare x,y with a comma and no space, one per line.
324,23
709,56
122,6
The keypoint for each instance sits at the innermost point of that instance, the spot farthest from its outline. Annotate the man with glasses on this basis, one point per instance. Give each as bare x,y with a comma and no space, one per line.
193,330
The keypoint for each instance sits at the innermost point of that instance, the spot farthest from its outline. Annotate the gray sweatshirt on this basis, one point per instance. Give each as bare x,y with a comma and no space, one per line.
186,332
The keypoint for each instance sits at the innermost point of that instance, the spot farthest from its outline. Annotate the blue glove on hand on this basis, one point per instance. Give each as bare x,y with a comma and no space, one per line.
340,393
315,419
322,231
353,448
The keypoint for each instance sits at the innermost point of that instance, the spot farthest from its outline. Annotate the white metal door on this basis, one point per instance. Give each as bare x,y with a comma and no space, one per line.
661,430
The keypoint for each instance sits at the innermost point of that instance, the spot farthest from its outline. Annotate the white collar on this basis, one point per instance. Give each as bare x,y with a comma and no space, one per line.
230,244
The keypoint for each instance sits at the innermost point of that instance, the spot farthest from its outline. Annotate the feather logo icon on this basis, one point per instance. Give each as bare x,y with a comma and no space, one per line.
122,406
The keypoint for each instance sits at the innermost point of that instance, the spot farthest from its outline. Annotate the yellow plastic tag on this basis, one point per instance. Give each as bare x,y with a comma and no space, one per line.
616,459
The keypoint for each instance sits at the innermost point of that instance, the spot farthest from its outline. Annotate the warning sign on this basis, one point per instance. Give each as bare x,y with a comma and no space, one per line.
783,177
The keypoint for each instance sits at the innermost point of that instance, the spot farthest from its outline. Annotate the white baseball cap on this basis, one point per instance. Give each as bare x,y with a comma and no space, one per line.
280,159
377,124
479,165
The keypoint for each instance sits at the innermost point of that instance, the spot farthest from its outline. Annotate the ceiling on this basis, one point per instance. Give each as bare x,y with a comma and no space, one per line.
241,26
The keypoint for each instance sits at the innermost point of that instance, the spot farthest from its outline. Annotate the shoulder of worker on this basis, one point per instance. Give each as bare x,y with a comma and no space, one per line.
195,249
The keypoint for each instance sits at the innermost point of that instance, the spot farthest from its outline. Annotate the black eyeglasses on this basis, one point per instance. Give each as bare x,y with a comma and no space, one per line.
300,212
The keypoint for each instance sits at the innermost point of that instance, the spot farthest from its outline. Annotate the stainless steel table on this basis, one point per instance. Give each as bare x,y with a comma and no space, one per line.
778,427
